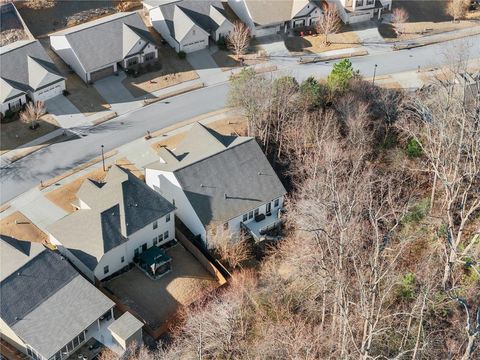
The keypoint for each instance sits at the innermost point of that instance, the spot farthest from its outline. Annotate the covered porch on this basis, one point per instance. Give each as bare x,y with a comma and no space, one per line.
263,226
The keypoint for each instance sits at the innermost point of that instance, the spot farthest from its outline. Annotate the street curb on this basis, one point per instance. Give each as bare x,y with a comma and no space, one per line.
433,42
332,57
173,93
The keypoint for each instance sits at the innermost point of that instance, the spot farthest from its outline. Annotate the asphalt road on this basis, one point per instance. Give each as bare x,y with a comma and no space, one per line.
58,158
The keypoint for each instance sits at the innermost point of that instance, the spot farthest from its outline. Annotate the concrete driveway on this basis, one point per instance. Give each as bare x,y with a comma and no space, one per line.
274,45
370,37
65,112
206,67
117,95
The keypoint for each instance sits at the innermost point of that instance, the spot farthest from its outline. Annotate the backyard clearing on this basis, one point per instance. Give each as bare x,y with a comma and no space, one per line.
19,227
313,44
65,195
231,125
16,133
157,301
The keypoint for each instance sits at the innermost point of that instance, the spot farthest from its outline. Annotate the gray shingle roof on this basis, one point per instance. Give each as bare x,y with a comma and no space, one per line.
198,12
267,12
125,326
15,253
118,208
46,302
222,176
25,66
101,42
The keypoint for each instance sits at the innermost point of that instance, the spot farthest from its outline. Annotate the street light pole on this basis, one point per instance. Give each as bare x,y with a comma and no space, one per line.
374,73
103,159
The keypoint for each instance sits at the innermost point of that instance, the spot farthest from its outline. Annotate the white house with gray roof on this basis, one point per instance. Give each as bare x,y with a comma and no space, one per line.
269,17
97,48
355,11
47,309
218,182
27,73
187,25
116,221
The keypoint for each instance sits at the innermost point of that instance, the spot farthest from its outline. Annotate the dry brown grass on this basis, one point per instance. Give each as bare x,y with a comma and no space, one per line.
19,227
126,164
85,98
65,195
15,134
226,60
314,43
170,142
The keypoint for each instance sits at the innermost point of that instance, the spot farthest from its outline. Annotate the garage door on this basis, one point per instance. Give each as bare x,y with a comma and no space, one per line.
100,74
49,92
194,46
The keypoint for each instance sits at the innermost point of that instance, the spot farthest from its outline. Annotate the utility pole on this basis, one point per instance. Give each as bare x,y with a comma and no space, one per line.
374,73
103,159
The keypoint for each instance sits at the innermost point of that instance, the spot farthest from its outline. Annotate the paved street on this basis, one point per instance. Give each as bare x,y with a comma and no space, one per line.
53,160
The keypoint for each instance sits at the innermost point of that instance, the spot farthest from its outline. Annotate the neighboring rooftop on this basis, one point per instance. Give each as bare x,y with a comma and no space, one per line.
113,210
16,253
32,295
25,67
12,26
125,326
181,15
119,33
274,11
222,176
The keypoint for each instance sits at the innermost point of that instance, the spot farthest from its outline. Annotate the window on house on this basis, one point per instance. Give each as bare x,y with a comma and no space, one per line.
359,3
168,217
370,2
132,62
173,202
245,217
165,235
225,226
106,269
250,215
155,224
160,238
144,247
149,56
256,212
276,203
122,259
155,241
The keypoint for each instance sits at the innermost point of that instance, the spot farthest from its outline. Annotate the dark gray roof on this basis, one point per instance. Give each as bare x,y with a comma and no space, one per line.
15,253
117,209
26,66
197,11
32,284
106,40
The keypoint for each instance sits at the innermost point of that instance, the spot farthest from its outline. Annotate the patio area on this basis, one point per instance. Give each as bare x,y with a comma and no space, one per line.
157,301
259,229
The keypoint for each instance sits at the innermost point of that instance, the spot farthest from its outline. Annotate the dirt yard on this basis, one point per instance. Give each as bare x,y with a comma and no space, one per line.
231,125
19,227
157,301
226,61
65,195
126,164
313,44
16,133
426,18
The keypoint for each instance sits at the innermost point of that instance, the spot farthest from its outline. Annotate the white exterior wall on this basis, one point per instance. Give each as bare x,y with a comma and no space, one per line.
159,24
9,335
307,14
166,184
196,39
4,106
49,91
62,48
223,30
113,258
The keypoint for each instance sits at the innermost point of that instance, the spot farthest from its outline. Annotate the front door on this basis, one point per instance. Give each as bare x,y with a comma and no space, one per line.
269,208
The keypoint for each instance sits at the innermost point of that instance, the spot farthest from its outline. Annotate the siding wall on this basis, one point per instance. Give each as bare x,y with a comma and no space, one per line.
159,24
61,46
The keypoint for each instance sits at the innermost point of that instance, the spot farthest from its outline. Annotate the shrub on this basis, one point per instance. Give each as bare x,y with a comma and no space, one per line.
182,54
222,44
406,290
312,92
9,114
341,74
417,213
413,149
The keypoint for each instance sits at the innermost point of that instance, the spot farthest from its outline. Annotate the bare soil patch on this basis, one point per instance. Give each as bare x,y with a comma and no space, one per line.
346,38
65,195
157,301
226,61
19,227
126,164
170,142
16,133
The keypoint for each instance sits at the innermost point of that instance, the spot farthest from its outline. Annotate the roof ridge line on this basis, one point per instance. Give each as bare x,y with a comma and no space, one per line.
84,28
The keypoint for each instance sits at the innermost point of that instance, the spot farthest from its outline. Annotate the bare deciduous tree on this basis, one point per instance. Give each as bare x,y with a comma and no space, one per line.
399,18
32,113
329,23
457,8
238,39
233,250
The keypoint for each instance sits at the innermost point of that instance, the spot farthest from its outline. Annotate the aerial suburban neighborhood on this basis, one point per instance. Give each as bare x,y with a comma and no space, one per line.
239,179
